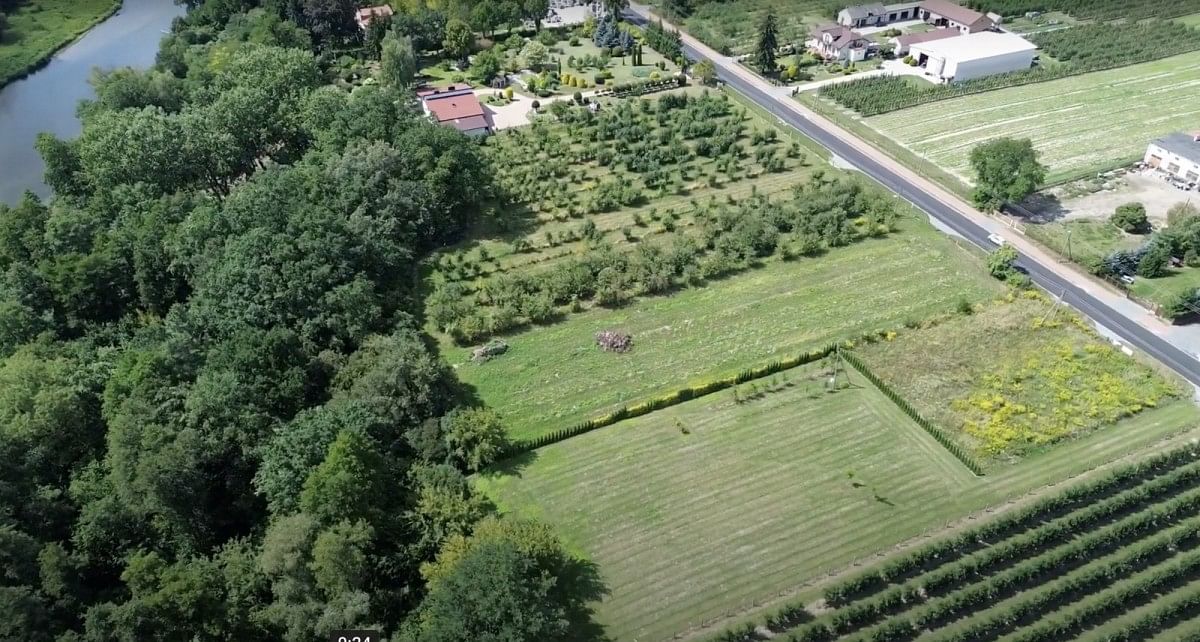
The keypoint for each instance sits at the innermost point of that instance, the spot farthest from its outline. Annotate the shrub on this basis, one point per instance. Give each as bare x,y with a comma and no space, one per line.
535,104
1131,217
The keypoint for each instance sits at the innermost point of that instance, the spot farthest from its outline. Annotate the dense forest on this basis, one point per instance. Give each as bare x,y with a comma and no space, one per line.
219,419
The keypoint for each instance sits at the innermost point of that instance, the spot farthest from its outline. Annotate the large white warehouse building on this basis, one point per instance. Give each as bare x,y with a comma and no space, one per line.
974,55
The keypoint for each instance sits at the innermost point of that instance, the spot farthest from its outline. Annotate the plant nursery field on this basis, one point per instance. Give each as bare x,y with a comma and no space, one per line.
703,510
1115,557
1079,124
554,376
1014,377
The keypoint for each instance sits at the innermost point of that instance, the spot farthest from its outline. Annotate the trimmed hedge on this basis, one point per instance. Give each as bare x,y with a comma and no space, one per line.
937,433
667,400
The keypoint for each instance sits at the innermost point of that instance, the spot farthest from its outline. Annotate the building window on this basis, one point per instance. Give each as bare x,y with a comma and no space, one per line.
1192,176
1173,168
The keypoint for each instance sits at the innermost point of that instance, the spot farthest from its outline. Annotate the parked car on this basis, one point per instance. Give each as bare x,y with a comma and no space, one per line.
1127,279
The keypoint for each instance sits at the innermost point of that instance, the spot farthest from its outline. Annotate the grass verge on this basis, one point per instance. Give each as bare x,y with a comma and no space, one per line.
36,30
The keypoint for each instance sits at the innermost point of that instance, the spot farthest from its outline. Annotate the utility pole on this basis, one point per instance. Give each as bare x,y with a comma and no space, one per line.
1069,257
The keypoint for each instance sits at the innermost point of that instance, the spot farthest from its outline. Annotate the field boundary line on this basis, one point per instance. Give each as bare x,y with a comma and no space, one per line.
938,433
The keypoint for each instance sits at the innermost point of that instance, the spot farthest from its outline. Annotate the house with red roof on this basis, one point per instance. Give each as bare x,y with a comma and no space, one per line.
364,15
456,106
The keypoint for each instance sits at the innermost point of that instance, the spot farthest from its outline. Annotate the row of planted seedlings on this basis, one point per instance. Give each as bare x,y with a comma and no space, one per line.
625,234
977,582
1166,615
930,557
1126,538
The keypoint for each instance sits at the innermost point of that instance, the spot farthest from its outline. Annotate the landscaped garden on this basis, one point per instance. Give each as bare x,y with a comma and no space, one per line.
1013,377
592,56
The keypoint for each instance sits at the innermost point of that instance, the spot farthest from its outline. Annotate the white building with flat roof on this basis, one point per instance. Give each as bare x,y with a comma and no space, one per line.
1177,154
974,55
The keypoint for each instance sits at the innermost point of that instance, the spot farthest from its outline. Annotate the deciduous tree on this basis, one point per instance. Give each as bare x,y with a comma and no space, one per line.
1006,169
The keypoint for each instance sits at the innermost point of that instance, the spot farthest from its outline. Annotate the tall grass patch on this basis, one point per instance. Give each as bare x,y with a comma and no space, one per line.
1018,375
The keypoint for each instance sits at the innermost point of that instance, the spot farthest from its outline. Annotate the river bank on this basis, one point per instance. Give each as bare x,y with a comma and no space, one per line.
45,101
28,44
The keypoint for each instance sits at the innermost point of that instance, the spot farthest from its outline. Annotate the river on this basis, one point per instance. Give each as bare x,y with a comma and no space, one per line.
46,100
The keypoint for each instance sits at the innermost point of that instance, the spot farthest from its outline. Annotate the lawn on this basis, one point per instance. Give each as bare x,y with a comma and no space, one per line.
622,68
1192,20
1091,239
553,376
711,508
1019,375
1079,124
38,29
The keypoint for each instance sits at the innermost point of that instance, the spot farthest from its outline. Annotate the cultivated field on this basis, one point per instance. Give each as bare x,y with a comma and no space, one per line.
1114,558
553,376
706,509
1079,124
1014,377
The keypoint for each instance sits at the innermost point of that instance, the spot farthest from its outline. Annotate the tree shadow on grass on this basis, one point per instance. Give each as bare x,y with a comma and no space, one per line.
581,580
510,467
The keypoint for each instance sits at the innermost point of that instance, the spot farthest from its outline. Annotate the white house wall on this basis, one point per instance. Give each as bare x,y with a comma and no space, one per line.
998,64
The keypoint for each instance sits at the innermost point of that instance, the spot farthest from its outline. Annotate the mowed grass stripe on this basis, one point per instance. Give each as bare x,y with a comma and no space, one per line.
757,499
1076,123
774,483
554,377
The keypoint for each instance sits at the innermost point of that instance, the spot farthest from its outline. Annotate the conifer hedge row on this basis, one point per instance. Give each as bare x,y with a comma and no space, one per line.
937,433
677,397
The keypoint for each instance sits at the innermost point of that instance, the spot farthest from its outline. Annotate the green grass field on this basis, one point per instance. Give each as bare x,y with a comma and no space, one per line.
1015,377
759,497
1079,124
1192,20
553,377
38,28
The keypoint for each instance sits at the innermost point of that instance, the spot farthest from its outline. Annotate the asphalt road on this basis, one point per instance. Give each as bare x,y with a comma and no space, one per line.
1043,275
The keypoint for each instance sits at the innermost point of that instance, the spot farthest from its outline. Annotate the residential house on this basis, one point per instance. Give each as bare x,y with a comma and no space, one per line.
939,13
943,13
365,15
902,43
874,15
1178,155
836,42
456,106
